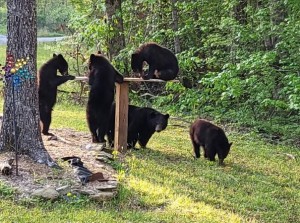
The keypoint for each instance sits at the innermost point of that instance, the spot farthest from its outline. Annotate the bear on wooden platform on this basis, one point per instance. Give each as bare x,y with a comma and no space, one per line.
47,87
212,138
162,62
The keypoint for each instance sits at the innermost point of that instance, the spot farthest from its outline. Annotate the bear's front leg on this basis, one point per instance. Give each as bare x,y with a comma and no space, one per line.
62,79
150,74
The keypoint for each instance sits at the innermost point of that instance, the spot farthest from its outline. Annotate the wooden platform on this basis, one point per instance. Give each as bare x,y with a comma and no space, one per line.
121,117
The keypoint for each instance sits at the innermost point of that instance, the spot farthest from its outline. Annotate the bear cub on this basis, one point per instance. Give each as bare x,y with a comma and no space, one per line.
48,81
212,138
102,78
142,124
162,62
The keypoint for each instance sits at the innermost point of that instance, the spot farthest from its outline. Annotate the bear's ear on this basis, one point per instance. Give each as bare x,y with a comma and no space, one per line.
54,55
92,58
134,56
167,116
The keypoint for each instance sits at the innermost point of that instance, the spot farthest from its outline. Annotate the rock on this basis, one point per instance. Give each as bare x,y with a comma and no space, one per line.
53,137
106,187
97,176
108,150
103,196
102,159
63,190
46,192
104,154
86,192
112,182
95,146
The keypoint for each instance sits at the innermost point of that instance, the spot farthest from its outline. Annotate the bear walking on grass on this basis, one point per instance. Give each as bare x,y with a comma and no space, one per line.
47,87
163,64
142,124
102,78
212,138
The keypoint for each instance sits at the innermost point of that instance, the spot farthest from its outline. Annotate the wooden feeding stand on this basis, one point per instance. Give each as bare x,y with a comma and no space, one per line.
121,116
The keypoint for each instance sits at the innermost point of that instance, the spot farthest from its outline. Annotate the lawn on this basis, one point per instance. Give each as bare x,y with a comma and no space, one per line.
163,183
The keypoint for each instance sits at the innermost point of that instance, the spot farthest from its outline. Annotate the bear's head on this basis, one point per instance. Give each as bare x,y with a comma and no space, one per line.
98,63
222,154
93,62
61,63
137,63
158,121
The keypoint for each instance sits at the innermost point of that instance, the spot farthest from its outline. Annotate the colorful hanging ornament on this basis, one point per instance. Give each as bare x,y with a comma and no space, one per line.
16,69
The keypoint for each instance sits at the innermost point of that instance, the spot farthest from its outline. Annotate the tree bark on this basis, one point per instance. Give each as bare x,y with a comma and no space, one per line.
175,26
21,119
116,40
240,12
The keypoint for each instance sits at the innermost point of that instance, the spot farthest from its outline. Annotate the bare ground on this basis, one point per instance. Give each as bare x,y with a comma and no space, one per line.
68,142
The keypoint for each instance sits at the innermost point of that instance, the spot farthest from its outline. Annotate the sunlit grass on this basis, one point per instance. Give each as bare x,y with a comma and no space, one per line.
163,183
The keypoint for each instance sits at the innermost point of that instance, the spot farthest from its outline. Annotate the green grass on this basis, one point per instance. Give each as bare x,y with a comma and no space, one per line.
44,53
163,183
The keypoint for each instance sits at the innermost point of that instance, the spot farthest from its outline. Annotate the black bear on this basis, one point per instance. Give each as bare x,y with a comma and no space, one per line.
102,78
47,87
212,138
163,64
142,123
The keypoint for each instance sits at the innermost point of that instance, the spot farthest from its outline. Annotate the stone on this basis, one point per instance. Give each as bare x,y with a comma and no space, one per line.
86,192
95,146
104,154
63,190
103,196
106,187
46,192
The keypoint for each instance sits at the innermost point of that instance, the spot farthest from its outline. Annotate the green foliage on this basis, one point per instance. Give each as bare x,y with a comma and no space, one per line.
52,16
6,191
3,17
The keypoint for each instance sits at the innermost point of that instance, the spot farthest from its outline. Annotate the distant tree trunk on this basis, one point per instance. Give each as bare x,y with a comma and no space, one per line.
278,14
240,11
116,29
175,26
22,43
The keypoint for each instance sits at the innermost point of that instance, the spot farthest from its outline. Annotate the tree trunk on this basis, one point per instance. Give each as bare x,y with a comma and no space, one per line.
175,26
240,12
21,115
116,40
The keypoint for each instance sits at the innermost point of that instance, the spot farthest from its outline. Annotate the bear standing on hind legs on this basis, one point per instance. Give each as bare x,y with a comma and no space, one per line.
102,78
212,138
163,64
47,87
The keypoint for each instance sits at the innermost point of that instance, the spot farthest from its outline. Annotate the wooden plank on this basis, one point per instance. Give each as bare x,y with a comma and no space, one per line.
81,78
129,79
121,117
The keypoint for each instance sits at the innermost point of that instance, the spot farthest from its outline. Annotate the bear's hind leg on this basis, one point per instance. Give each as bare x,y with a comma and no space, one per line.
45,116
166,75
196,147
92,123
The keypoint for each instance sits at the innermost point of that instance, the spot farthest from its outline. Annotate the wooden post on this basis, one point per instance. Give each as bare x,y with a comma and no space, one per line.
121,117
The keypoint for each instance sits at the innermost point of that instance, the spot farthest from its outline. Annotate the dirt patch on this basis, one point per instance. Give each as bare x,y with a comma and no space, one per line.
67,142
